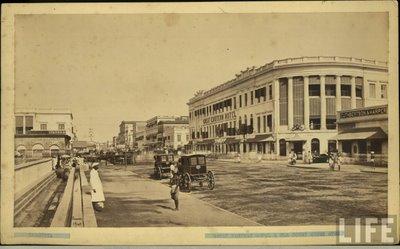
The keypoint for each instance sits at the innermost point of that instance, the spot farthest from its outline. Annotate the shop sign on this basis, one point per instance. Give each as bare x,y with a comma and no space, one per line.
220,118
362,113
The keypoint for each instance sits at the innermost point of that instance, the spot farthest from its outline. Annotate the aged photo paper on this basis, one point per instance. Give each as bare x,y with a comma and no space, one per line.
246,123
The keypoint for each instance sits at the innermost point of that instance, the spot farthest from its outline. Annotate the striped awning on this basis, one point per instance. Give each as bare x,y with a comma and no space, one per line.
361,134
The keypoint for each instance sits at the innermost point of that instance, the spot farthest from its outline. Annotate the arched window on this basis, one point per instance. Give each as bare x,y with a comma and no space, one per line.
315,146
282,147
21,149
37,150
54,150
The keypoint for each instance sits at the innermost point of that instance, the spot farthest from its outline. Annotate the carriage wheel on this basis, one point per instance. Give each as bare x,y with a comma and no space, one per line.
187,182
210,180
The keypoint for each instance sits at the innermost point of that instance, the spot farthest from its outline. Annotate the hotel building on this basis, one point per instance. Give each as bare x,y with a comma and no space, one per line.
285,105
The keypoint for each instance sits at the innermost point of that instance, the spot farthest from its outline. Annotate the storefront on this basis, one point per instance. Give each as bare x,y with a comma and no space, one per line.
363,135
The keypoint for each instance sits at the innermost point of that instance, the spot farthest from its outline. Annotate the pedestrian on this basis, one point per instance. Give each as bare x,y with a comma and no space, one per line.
54,162
309,157
373,158
175,189
339,159
292,158
98,198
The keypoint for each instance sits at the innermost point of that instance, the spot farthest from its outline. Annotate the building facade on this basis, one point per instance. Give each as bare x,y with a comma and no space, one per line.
165,132
363,134
127,133
43,132
285,105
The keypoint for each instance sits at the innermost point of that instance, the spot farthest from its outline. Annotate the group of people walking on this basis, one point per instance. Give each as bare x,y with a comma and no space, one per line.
334,159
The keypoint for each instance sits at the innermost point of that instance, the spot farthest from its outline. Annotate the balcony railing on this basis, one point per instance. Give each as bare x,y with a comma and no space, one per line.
315,126
48,132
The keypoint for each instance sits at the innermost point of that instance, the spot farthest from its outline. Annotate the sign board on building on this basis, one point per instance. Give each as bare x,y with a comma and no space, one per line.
220,118
378,110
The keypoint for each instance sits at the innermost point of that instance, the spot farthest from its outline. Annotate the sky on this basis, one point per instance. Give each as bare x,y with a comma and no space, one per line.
109,68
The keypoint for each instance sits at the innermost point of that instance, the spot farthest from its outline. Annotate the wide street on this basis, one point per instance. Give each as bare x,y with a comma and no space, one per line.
268,193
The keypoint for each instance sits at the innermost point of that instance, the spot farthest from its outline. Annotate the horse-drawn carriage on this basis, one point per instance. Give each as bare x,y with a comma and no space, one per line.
162,165
193,168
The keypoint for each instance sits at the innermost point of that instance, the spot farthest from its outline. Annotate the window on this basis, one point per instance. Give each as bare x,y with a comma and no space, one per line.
270,91
187,137
19,125
245,99
330,90
315,123
383,91
193,161
43,127
28,123
269,123
359,90
314,90
331,123
258,124
345,90
61,127
251,98
240,100
372,90
264,123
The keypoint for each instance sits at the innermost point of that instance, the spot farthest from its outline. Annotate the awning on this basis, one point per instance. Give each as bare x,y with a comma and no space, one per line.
361,134
295,137
231,140
260,138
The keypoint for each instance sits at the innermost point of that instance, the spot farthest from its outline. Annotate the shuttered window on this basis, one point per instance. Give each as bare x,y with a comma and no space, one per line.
346,104
298,100
315,107
330,106
345,80
19,124
283,101
372,90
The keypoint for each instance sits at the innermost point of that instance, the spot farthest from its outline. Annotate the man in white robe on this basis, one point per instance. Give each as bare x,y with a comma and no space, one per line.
97,188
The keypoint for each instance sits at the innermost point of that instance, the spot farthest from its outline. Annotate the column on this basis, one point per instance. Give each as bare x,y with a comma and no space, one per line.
323,103
290,103
353,93
338,94
23,125
306,104
276,105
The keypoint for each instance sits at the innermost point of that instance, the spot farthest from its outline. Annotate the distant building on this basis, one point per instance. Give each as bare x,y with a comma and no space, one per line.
80,147
285,105
43,132
127,133
166,132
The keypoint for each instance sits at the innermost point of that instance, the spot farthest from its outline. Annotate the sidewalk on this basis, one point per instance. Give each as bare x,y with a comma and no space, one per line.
344,167
135,201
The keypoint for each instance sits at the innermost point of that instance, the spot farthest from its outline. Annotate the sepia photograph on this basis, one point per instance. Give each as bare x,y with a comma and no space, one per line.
191,119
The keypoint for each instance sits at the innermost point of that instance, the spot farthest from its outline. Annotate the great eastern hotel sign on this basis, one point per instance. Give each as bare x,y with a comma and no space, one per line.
220,118
378,110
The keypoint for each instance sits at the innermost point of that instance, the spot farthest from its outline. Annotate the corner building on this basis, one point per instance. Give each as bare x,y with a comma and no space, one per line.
284,105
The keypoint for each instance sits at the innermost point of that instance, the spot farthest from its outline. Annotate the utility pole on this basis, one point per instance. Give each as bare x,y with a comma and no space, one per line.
91,134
